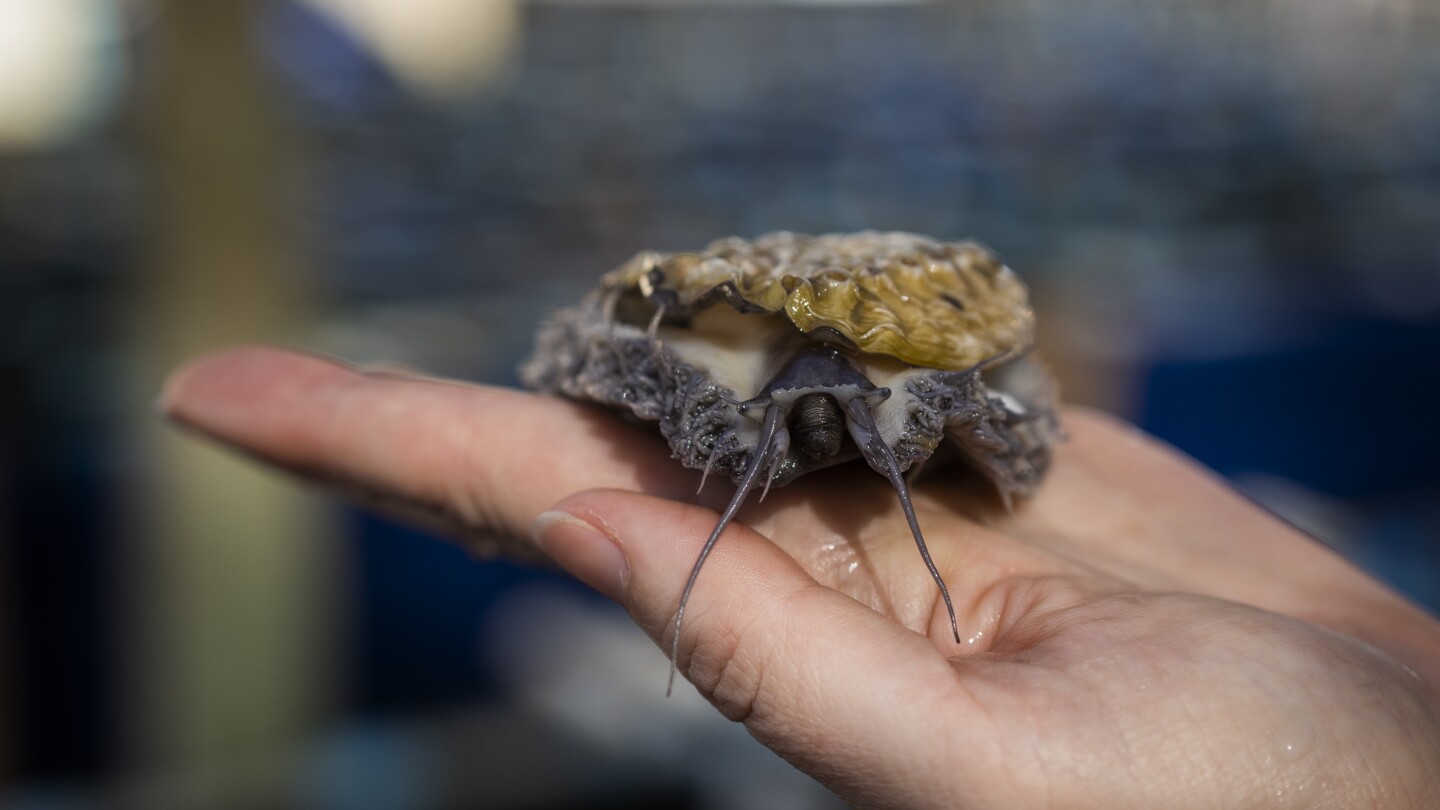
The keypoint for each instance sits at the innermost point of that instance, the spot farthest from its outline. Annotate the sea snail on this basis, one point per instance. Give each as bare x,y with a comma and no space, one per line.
764,360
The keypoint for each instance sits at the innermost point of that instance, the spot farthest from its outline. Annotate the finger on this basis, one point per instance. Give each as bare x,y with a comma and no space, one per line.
843,692
1123,500
488,458
1145,513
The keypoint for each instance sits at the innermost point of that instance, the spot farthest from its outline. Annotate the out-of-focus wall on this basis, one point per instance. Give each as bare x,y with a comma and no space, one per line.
226,605
1226,213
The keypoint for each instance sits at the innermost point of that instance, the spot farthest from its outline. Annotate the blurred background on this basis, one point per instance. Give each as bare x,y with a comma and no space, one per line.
1229,214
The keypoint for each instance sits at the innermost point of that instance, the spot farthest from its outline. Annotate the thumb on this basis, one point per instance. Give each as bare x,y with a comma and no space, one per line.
845,694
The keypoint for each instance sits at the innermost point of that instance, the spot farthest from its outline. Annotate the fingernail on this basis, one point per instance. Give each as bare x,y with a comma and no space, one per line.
170,392
588,553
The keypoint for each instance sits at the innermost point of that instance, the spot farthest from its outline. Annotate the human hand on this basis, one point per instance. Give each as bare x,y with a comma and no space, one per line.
1135,635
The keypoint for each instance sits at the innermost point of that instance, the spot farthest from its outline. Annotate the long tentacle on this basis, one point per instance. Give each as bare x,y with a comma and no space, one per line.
882,460
760,459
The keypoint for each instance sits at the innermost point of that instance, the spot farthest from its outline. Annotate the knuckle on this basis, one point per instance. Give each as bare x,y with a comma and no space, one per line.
727,666
470,495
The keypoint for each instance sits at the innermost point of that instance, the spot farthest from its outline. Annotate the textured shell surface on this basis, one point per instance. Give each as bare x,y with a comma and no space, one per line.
684,338
765,360
946,305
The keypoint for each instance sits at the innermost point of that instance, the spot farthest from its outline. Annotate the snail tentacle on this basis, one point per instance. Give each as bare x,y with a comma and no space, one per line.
759,458
882,459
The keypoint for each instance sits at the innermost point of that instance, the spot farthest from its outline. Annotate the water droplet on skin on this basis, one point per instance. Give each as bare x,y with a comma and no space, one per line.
1294,743
837,556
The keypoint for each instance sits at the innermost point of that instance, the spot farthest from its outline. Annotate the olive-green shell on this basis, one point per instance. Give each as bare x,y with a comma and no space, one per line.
946,305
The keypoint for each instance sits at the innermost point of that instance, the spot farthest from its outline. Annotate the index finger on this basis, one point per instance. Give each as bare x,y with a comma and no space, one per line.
475,458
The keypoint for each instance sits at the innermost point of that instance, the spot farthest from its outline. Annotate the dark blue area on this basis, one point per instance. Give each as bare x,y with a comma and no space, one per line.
63,591
419,606
1403,546
1349,413
57,497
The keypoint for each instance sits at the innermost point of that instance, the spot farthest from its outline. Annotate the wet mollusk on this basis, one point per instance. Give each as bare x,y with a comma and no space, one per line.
764,360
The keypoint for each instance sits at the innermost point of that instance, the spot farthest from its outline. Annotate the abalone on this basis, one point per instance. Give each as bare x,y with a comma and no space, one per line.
764,360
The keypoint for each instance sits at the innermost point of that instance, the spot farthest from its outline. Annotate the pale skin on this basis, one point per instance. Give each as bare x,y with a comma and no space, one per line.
1135,635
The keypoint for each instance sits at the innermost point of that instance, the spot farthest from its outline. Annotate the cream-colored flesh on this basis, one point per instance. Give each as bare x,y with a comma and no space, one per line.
739,351
742,352
893,414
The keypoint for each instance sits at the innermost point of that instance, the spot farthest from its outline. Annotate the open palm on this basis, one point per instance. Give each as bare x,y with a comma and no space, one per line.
1135,635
